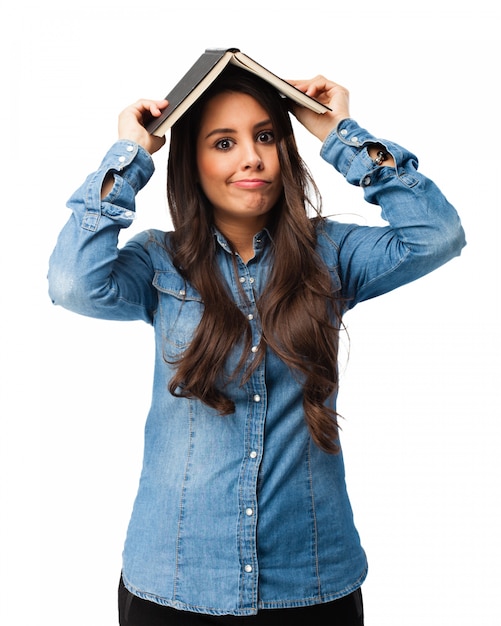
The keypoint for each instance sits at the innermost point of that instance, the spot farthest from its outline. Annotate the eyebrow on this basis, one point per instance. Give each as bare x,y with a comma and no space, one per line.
223,131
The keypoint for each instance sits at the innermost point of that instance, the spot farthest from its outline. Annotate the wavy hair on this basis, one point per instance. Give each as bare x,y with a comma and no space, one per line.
299,312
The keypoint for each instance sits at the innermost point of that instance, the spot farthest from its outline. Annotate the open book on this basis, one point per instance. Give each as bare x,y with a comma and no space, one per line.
205,71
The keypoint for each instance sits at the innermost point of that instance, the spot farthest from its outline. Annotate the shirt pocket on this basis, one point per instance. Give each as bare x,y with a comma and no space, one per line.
179,311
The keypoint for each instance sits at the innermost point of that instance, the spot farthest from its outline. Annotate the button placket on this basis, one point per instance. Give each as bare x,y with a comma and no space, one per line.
247,280
256,416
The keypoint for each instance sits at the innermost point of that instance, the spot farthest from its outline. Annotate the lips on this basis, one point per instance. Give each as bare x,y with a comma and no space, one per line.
250,183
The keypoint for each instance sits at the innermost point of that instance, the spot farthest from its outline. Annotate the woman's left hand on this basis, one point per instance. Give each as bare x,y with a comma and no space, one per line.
327,92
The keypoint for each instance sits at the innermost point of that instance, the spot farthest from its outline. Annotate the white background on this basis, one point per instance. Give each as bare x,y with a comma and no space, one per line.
420,389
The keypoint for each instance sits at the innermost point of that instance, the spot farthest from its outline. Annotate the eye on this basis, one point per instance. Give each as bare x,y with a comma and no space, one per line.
266,136
224,144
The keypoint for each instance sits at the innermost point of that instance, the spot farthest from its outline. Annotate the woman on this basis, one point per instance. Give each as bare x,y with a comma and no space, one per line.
242,515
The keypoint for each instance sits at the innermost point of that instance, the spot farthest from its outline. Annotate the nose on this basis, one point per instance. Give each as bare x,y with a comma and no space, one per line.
251,158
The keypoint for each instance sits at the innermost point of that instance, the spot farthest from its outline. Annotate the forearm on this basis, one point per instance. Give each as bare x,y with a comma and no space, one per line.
410,202
423,232
88,274
107,186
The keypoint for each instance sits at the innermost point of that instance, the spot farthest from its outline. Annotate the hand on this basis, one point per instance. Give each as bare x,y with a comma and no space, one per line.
131,124
333,95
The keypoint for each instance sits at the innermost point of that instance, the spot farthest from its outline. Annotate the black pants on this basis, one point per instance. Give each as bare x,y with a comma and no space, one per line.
134,611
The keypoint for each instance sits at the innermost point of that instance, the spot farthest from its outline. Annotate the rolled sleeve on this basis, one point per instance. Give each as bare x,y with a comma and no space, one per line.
88,273
423,232
346,149
132,167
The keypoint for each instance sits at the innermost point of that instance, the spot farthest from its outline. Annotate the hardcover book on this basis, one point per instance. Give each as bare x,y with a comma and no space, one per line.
205,71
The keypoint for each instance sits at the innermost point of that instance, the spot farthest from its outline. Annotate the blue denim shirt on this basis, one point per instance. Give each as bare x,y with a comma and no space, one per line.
239,513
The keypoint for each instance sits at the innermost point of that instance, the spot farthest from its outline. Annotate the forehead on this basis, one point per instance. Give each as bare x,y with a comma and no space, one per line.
232,108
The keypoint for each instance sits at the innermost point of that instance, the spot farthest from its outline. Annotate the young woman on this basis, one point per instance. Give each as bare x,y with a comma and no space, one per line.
242,515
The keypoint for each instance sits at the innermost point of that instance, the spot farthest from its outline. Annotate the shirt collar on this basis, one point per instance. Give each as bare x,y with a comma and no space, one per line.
260,239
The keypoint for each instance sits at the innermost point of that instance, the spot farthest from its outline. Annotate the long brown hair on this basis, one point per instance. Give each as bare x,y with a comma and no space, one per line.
299,313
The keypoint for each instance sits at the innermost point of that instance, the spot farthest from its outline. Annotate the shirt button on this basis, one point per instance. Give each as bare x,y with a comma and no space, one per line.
251,280
128,213
242,279
130,148
254,349
249,512
182,292
248,568
344,132
250,316
354,139
257,398
366,181
121,159
253,454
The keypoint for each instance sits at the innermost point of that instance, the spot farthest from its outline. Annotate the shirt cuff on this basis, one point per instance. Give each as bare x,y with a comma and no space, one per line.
346,149
132,166
131,161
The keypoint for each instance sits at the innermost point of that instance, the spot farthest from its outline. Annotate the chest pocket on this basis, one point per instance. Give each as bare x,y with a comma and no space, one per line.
180,309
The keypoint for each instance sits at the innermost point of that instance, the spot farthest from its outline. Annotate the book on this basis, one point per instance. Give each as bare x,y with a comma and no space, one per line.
205,71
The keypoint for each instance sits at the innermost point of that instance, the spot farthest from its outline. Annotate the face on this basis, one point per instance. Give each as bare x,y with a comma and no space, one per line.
237,161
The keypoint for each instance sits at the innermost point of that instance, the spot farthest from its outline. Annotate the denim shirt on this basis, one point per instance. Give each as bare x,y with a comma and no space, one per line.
239,513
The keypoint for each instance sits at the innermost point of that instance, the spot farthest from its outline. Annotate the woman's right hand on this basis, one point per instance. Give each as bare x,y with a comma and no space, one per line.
131,124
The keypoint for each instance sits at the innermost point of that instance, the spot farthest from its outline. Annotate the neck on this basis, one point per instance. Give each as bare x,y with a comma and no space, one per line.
241,236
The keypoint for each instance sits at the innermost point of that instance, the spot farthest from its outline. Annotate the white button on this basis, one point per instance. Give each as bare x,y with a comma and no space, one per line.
344,132
248,568
130,148
121,159
250,316
242,279
249,512
354,139
366,181
253,454
254,348
128,213
251,280
182,292
257,398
